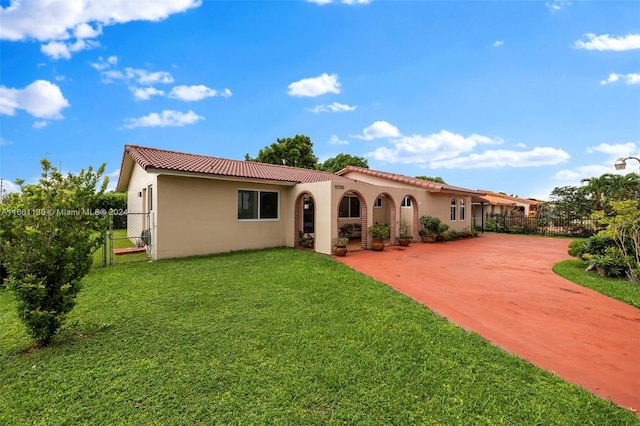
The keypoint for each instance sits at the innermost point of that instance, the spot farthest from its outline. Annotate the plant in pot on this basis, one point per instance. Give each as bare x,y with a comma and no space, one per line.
340,246
404,239
434,229
379,232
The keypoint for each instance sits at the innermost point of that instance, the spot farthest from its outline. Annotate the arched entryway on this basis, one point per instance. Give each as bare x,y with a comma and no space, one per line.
352,210
305,221
409,215
384,212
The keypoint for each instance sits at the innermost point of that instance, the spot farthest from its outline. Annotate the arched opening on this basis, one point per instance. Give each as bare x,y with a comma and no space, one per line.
304,222
352,218
384,211
409,216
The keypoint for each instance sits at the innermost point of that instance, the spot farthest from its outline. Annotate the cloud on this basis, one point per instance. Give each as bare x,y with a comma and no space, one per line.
41,99
140,76
615,150
379,129
145,93
166,118
630,79
8,186
334,107
62,50
611,153
103,64
67,25
437,146
347,2
316,86
538,156
557,5
498,43
196,93
3,141
606,42
41,124
335,140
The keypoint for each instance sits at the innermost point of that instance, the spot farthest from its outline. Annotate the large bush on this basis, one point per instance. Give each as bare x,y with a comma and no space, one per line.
48,232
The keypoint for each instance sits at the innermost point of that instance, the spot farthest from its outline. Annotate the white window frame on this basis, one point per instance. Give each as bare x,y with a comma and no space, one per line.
378,203
350,216
454,210
406,203
258,191
463,210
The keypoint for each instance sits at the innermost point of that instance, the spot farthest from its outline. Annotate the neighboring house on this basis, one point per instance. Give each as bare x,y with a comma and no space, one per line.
200,205
498,203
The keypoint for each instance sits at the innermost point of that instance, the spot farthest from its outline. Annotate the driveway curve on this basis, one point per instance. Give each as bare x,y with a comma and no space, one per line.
502,287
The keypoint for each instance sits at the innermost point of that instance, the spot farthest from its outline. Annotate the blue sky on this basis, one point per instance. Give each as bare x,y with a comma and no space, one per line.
518,96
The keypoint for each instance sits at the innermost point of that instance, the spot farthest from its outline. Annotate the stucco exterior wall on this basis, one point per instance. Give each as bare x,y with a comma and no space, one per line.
138,201
197,216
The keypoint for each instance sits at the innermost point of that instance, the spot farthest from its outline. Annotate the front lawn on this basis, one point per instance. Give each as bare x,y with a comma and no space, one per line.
274,336
617,288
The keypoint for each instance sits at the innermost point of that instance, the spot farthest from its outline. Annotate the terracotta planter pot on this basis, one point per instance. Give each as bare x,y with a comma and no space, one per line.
428,239
377,245
404,242
340,251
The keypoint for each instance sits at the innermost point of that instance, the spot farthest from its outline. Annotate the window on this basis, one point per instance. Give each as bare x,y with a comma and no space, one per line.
406,202
349,207
453,209
258,205
462,210
378,203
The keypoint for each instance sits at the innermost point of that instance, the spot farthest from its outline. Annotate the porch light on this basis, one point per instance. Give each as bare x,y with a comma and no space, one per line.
621,164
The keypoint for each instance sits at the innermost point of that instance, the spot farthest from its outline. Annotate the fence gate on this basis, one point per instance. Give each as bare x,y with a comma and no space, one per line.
129,237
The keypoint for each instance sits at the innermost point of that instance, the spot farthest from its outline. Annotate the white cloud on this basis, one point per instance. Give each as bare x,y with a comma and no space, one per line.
41,124
334,107
611,153
3,141
348,2
556,5
145,93
521,145
62,50
64,20
615,150
316,86
8,186
41,99
140,76
437,146
166,118
538,156
379,129
113,179
498,43
335,140
606,42
630,79
196,93
103,64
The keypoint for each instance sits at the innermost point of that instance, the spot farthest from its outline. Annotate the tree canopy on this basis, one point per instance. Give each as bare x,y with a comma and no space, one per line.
294,152
341,161
436,179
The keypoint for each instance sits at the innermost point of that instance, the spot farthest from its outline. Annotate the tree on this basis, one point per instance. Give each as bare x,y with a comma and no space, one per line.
341,161
610,187
436,179
294,152
568,203
48,234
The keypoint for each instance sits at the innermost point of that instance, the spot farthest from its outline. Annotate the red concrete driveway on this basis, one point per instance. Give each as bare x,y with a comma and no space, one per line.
502,287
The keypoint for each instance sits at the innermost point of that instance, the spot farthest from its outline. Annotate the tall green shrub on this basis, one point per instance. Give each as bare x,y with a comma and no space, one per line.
48,232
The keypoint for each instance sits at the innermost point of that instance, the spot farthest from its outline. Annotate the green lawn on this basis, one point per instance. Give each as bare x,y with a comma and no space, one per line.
270,337
574,270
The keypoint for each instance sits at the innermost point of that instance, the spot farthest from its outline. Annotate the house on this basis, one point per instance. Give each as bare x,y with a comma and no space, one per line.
195,204
497,203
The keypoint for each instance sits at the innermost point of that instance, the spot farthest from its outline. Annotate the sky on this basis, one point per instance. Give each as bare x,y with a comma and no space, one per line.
508,96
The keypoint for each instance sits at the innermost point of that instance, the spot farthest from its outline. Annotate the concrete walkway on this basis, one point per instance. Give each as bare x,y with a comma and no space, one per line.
502,287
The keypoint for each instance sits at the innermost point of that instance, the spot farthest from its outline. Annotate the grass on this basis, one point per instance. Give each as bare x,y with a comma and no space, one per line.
624,291
120,240
265,337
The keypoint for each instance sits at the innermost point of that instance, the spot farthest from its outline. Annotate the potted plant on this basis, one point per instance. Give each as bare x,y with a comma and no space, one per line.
379,232
405,237
306,240
340,246
434,228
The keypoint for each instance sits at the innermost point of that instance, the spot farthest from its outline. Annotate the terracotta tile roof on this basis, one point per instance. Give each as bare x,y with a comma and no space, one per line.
497,195
497,201
172,161
421,183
